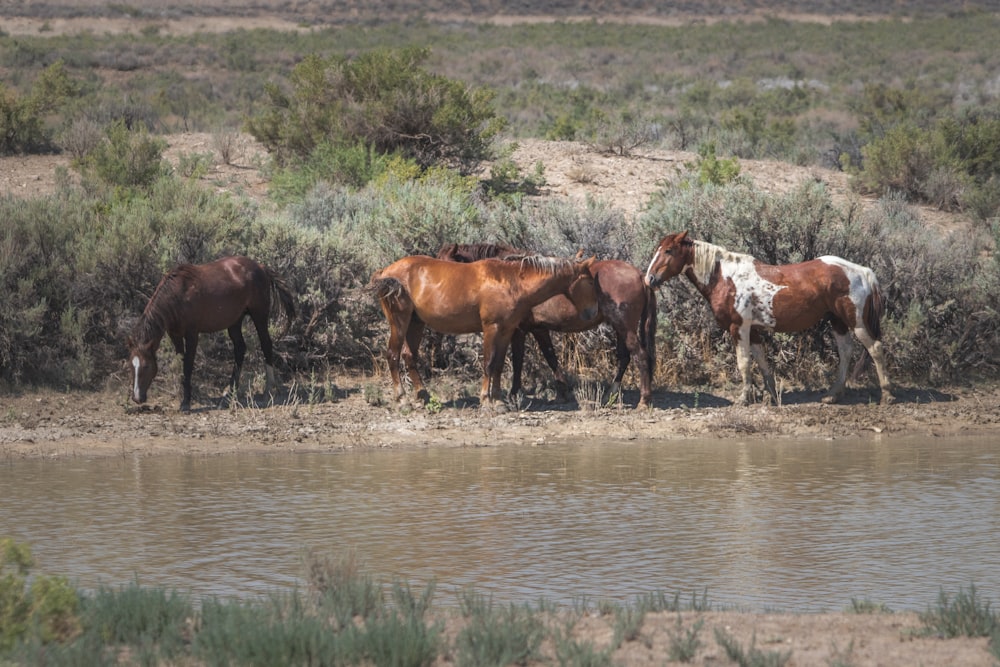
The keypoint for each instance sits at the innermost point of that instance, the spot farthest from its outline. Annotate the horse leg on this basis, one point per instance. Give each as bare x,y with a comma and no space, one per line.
844,347
190,347
398,324
757,351
239,354
494,352
544,339
411,356
877,354
517,342
266,348
634,350
741,338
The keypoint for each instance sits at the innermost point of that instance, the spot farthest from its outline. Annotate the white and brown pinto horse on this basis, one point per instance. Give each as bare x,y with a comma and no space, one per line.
748,296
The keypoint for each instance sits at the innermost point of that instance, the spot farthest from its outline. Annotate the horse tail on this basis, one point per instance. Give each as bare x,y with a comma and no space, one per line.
874,310
386,288
284,295
647,329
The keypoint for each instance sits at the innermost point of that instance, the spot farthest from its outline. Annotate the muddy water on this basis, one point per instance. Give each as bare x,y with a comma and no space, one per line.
798,526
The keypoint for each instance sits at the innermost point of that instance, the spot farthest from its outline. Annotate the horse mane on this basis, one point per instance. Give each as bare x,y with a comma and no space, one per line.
478,251
540,263
707,255
162,306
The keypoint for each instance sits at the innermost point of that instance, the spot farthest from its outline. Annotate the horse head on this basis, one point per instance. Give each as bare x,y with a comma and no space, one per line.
672,255
142,357
583,290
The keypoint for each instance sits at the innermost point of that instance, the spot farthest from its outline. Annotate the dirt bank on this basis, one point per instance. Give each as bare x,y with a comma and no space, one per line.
348,416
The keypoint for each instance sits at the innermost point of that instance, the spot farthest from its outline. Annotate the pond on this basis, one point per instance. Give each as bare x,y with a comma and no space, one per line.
758,524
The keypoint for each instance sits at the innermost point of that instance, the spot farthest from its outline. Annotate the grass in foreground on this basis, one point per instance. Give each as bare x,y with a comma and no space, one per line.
343,616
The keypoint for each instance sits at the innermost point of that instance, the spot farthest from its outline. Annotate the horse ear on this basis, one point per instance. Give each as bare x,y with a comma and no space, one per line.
579,255
129,343
682,236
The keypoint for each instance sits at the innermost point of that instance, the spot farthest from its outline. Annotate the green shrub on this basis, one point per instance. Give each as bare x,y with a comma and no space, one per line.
382,99
751,656
901,160
712,170
562,229
351,165
497,636
23,119
278,631
684,642
341,589
150,621
963,615
44,610
128,160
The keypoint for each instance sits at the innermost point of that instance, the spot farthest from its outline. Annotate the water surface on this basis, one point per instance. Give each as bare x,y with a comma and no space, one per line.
781,524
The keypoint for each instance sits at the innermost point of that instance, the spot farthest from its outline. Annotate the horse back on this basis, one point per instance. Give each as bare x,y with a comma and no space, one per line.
445,295
794,297
216,295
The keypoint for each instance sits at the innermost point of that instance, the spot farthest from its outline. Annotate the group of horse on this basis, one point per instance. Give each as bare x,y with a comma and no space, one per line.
505,293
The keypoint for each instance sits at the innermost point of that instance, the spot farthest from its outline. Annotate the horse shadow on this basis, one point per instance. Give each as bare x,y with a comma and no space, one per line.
851,397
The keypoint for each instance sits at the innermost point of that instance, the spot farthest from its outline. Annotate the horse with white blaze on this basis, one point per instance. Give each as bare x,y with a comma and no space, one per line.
748,296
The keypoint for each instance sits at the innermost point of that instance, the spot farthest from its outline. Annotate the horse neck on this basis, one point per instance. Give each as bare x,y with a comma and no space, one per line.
550,280
705,265
148,332
157,315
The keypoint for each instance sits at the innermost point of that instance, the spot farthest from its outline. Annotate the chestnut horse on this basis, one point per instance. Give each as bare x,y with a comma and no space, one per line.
492,296
623,301
202,298
748,296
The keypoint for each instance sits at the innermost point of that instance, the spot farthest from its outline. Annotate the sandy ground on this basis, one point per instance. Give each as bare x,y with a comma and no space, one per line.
354,413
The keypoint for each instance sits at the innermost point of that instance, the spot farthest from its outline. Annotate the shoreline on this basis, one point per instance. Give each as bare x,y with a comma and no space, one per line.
53,425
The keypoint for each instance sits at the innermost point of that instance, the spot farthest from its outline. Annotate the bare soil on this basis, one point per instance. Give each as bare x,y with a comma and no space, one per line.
65,426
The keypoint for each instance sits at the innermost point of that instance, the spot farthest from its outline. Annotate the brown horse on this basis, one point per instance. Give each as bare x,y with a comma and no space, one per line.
748,296
492,296
202,298
623,301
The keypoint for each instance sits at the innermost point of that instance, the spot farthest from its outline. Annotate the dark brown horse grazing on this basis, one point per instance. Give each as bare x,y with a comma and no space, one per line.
748,296
202,298
492,296
623,301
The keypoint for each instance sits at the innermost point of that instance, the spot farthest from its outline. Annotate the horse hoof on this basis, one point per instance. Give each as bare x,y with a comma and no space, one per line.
185,407
887,399
829,399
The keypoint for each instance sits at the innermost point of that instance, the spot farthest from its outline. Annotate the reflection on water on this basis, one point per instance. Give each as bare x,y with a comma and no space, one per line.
801,526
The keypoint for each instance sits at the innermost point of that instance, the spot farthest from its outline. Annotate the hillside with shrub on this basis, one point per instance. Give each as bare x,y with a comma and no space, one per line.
384,138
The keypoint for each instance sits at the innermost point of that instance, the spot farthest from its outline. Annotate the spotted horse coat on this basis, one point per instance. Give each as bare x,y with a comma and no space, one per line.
748,296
